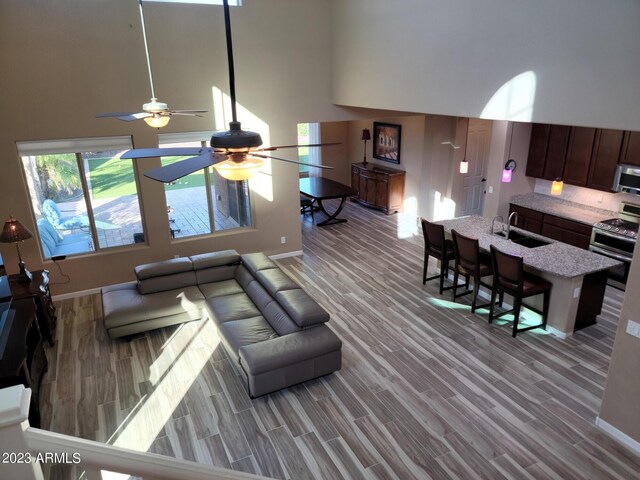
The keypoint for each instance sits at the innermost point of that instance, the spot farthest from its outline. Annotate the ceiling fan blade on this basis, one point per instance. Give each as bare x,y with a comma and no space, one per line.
184,114
135,116
193,112
171,173
164,152
324,167
114,114
270,149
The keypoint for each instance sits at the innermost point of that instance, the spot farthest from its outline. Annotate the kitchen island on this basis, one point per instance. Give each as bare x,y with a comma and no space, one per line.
578,276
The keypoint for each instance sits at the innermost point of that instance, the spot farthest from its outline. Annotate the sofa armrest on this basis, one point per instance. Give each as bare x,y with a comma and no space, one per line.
289,349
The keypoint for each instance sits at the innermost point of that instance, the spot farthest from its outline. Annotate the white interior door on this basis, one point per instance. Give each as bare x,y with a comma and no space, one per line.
475,181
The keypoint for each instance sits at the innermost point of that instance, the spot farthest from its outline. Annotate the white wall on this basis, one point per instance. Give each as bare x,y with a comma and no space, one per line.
453,57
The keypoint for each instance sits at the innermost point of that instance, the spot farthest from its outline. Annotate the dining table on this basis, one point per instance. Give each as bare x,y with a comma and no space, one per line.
319,189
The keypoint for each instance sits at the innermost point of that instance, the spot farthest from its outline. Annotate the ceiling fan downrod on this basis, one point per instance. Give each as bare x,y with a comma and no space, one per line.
235,137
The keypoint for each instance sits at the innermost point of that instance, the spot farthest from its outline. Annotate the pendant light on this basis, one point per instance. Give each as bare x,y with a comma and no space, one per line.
510,166
556,187
464,165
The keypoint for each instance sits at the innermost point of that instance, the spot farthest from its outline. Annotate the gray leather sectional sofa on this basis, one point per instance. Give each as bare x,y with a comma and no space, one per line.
271,327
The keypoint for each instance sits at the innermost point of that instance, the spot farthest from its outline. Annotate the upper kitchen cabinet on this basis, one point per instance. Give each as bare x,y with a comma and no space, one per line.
576,165
631,148
604,159
547,151
537,150
554,164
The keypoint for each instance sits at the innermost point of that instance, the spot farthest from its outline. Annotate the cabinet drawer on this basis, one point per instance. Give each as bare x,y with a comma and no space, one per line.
570,225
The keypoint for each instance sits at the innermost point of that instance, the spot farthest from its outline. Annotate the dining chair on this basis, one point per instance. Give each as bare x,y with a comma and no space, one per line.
306,206
510,278
436,246
471,263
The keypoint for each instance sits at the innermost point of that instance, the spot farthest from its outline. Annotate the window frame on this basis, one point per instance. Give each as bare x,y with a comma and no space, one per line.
76,147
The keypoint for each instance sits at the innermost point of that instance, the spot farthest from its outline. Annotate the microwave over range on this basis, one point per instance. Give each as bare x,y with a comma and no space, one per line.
627,179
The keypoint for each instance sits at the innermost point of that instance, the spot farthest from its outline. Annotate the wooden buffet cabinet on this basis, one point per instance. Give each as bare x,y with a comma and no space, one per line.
378,187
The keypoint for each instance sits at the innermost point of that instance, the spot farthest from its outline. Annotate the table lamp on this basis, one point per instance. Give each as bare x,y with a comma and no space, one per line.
15,232
366,135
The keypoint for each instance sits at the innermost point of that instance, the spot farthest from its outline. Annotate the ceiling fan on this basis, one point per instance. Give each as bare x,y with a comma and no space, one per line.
234,153
155,114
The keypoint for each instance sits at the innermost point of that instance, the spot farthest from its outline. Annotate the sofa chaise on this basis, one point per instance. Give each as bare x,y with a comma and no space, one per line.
270,326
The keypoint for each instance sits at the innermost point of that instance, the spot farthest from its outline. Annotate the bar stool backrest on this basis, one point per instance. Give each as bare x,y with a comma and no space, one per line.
467,251
508,269
434,237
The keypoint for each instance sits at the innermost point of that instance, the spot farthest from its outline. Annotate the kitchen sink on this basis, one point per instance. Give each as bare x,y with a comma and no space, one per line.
524,240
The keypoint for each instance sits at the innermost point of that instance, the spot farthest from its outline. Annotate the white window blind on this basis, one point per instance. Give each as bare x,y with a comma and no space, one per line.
183,137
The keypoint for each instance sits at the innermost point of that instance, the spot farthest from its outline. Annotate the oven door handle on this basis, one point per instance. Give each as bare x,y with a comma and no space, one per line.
617,237
607,253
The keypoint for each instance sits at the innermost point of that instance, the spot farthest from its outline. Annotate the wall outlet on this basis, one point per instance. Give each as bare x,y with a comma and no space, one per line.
576,292
633,328
176,256
490,189
283,240
600,197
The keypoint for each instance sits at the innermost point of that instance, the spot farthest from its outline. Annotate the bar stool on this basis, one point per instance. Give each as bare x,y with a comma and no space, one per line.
436,246
470,263
510,277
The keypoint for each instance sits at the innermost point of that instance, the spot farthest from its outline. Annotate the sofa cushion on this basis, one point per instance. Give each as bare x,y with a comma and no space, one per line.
302,308
256,262
166,267
247,331
278,319
123,304
167,282
218,289
215,259
231,307
275,280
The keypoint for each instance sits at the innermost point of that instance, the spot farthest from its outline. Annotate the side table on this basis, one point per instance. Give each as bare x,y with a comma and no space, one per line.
38,289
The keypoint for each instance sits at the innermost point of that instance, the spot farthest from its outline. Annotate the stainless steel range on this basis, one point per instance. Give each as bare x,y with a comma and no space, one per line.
616,238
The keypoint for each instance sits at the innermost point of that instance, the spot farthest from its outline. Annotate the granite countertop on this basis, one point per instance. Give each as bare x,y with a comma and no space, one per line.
557,258
562,208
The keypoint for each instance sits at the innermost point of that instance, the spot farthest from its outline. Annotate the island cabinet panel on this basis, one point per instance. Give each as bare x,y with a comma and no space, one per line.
378,187
566,231
631,148
528,219
537,150
576,165
554,163
606,153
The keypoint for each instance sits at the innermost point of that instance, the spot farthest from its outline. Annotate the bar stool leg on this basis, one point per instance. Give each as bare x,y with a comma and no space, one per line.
424,270
455,283
476,288
444,267
494,292
517,304
545,308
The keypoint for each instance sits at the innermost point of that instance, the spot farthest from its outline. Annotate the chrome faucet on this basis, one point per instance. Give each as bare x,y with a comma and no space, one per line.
493,221
511,215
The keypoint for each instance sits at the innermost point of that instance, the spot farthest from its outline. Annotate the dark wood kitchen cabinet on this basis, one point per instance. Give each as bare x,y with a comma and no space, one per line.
631,148
528,219
576,165
554,163
537,150
378,187
606,153
566,231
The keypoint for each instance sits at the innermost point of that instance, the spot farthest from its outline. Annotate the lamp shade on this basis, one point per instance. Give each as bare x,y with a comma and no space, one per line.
366,134
13,231
244,170
556,186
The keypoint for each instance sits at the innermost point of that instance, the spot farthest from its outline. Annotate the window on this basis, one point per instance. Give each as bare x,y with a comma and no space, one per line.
203,202
308,134
84,197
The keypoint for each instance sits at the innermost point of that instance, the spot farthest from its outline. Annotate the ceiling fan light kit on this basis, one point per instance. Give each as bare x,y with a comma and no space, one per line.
157,121
239,167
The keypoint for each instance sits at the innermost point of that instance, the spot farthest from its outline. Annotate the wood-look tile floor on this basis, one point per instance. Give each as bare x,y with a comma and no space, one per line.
427,389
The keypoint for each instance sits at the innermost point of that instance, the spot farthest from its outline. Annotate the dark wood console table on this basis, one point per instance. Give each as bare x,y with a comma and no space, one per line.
378,187
38,290
22,357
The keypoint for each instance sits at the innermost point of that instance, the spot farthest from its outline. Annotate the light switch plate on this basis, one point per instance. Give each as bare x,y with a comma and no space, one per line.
633,328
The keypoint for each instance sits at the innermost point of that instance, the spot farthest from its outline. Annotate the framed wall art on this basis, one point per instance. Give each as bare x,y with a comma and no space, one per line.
386,142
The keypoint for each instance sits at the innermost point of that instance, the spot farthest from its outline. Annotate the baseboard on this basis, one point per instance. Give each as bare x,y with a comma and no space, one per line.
65,296
278,256
558,333
618,435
